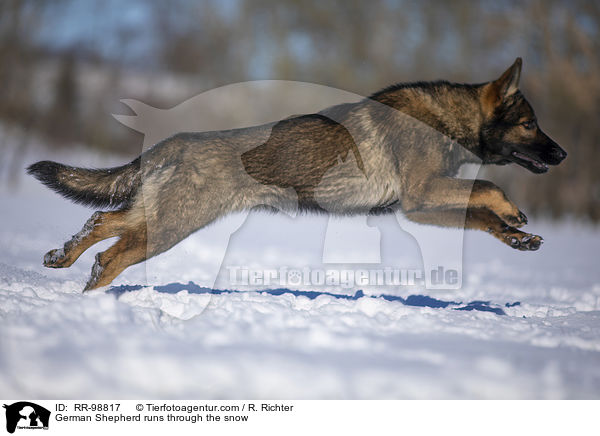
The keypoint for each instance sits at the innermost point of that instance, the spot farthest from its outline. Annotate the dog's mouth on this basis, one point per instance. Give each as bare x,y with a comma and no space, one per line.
531,163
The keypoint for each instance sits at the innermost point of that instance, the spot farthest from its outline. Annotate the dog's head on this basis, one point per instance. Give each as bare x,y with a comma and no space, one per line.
509,132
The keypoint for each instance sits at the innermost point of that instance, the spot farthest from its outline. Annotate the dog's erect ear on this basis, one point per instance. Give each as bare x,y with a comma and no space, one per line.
494,93
508,83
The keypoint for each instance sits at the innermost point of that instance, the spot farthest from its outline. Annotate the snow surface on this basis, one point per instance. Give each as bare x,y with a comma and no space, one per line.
160,332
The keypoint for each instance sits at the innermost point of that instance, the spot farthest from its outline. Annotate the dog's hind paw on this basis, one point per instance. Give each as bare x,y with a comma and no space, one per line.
55,258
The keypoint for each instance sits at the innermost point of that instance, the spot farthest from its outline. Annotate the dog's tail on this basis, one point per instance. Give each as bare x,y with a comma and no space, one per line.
110,187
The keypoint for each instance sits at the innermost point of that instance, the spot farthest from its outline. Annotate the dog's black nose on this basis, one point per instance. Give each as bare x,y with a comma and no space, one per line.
561,154
555,155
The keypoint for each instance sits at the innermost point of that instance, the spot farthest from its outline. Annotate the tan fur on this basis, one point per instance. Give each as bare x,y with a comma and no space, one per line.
128,250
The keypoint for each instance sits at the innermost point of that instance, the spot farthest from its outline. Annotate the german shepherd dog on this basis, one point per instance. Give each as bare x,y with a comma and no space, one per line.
352,158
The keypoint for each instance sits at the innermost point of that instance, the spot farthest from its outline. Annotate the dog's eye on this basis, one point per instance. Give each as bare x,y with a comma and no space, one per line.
529,125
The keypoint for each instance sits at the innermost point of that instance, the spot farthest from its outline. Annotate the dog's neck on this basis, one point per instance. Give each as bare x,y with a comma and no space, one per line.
452,109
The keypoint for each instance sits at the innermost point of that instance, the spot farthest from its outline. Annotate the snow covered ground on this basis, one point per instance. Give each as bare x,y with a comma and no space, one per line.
534,331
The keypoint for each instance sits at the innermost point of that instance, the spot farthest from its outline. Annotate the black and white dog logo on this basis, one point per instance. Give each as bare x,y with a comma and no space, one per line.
26,415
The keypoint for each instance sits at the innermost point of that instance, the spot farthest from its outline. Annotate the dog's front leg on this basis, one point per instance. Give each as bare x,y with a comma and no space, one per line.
487,195
479,219
450,193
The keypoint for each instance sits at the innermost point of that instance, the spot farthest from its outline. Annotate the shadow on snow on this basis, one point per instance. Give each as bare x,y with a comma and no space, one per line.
411,300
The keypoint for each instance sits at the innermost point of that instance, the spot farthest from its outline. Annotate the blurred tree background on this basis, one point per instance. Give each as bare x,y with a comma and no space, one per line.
64,65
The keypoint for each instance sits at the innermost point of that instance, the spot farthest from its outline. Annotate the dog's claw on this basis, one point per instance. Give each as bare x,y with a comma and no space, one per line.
522,218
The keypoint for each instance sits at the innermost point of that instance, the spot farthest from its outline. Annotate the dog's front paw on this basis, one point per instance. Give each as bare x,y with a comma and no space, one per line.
516,220
524,241
55,258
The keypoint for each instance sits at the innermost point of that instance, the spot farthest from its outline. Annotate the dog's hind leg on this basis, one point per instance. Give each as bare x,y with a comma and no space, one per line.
131,248
136,244
100,226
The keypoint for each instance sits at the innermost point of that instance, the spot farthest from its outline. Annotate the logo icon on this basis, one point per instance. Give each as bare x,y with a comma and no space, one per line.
26,415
